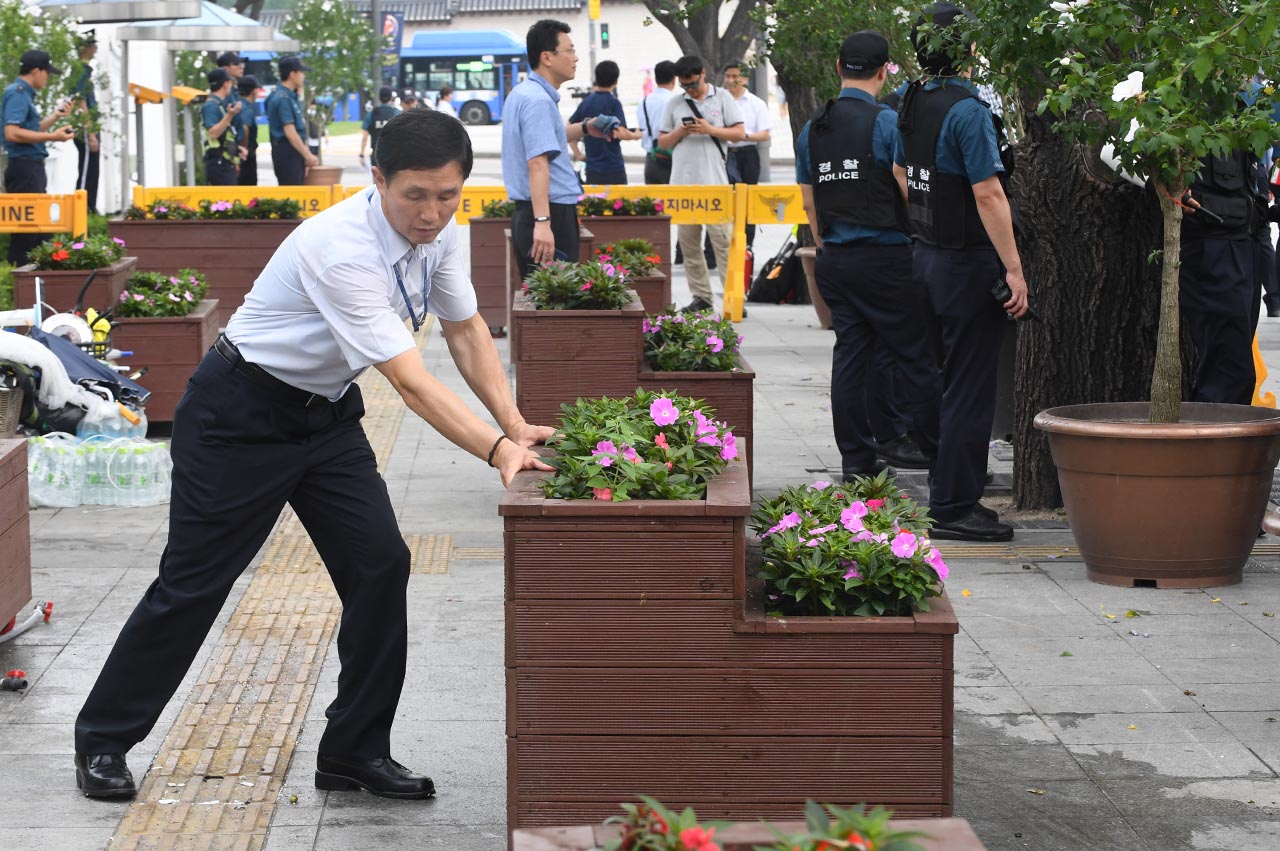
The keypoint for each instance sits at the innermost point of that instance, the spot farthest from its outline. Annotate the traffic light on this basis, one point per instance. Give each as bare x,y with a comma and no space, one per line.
604,36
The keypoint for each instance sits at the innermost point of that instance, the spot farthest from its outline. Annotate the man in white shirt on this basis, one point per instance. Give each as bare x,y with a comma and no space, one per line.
657,162
271,417
444,101
744,156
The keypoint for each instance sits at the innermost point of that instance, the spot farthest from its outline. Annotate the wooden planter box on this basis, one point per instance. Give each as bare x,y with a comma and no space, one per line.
489,270
730,393
639,661
654,291
231,253
656,229
62,286
585,253
171,348
15,530
566,354
948,834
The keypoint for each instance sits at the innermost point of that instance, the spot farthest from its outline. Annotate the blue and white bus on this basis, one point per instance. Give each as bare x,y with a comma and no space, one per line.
480,65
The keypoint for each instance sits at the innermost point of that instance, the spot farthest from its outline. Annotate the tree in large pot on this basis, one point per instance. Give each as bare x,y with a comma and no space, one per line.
1165,493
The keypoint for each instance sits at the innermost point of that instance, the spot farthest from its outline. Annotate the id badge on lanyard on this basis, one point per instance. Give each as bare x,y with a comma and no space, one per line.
404,293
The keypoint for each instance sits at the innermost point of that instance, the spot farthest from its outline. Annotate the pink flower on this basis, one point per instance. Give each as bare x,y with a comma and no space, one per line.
602,493
117,240
187,296
838,495
904,545
663,412
824,529
715,343
630,454
657,205
162,209
729,447
124,296
857,508
852,520
253,202
77,245
139,297
709,440
585,286
934,559
853,571
174,280
874,504
617,205
174,297
661,441
814,541
820,486
604,452
788,521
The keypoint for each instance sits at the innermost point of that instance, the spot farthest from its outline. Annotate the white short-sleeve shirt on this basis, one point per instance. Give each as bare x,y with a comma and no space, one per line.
328,305
755,116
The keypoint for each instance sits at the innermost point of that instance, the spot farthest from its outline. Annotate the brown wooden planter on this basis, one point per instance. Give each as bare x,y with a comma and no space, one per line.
730,393
489,269
656,229
654,291
62,286
638,661
230,252
585,253
15,530
171,347
948,834
562,355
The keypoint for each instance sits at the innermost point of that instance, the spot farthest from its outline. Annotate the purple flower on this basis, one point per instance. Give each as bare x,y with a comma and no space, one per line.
853,570
117,240
788,521
904,545
819,486
173,297
174,280
663,412
934,559
709,440
187,296
858,508
139,297
162,209
729,447
824,529
605,452
77,245
715,343
630,454
814,542
124,296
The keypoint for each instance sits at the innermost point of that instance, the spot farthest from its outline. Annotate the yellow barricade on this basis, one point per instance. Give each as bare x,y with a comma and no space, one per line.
312,199
33,213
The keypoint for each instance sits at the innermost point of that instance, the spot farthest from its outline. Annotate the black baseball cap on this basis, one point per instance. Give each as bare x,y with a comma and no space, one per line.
230,58
409,94
33,59
217,77
866,50
248,84
289,64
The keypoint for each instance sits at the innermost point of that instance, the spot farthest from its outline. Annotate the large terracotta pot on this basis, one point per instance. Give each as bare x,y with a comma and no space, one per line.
1164,505
808,262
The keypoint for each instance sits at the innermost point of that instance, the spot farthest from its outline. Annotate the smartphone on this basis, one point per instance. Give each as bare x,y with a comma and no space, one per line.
688,119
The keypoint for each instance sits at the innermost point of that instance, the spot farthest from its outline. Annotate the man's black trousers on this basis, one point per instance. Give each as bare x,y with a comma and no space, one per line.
657,171
220,171
875,303
290,167
1220,292
564,230
971,328
249,169
241,452
87,178
24,174
606,177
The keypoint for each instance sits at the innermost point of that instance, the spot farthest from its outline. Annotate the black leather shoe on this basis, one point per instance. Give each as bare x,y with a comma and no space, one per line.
904,453
383,777
982,511
104,775
972,527
874,470
698,305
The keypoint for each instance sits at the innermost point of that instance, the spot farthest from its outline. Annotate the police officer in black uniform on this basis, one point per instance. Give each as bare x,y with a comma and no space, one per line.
949,167
844,165
375,121
1223,269
221,131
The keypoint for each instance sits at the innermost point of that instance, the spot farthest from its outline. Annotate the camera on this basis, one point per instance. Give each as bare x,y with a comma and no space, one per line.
579,91
1001,293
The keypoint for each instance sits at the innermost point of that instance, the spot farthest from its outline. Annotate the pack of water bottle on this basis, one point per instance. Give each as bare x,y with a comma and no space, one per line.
98,467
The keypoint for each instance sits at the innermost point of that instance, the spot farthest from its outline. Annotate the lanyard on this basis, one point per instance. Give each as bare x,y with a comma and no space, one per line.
413,317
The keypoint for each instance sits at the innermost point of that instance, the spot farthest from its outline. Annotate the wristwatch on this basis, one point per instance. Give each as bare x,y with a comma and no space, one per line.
542,218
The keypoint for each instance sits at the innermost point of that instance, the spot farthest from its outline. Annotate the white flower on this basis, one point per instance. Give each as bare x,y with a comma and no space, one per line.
1064,61
1130,87
1059,7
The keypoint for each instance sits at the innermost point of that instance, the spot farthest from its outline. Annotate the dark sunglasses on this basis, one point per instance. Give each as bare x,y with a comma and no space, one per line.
693,85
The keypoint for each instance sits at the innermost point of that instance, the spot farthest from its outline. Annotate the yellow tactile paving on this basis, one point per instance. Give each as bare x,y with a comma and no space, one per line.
215,782
477,553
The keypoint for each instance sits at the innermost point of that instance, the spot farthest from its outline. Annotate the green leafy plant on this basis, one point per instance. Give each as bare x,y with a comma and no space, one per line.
603,205
832,828
75,252
691,342
636,257
577,286
26,26
497,209
650,826
854,549
647,446
158,294
254,208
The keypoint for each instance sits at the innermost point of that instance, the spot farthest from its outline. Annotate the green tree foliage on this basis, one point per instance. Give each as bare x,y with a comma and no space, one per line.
696,27
337,43
28,27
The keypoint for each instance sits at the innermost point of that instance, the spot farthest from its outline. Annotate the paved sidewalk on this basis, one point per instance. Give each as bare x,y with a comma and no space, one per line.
1072,733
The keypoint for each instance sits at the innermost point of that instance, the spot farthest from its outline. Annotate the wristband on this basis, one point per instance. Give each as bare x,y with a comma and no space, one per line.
494,448
542,218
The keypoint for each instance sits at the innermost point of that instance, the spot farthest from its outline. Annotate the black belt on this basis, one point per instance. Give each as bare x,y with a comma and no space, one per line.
228,351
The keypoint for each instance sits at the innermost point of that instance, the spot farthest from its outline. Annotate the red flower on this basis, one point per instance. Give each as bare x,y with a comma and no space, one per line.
873,504
661,441
605,494
60,255
660,826
697,839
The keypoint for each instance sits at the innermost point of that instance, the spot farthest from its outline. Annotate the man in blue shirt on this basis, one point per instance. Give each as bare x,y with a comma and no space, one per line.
375,121
287,127
604,156
25,135
844,165
248,121
535,151
948,167
87,143
221,153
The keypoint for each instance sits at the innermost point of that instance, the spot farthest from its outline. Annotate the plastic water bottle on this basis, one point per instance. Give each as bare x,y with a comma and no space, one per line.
55,469
37,471
140,430
95,470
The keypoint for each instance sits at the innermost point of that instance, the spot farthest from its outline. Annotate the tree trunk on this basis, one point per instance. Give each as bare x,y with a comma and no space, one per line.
802,103
1085,240
1166,378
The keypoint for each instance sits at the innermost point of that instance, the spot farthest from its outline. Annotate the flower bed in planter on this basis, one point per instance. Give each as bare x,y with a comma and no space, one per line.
640,660
15,530
586,252
64,263
590,349
642,264
640,218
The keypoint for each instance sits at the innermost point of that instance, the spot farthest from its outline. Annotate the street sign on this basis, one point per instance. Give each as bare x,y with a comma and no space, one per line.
30,213
593,9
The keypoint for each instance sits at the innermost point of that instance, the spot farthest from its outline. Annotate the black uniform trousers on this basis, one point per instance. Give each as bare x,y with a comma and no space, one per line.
743,165
887,405
657,170
220,171
875,303
290,167
564,229
24,174
1220,293
249,168
88,170
606,177
971,332
241,451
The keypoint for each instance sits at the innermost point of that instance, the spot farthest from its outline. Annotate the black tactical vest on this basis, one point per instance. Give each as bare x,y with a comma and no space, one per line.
942,207
848,184
382,113
1235,188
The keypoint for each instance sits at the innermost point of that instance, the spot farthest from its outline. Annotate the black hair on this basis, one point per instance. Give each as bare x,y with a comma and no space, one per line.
542,36
689,66
248,84
740,66
607,73
948,23
445,91
664,72
423,139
